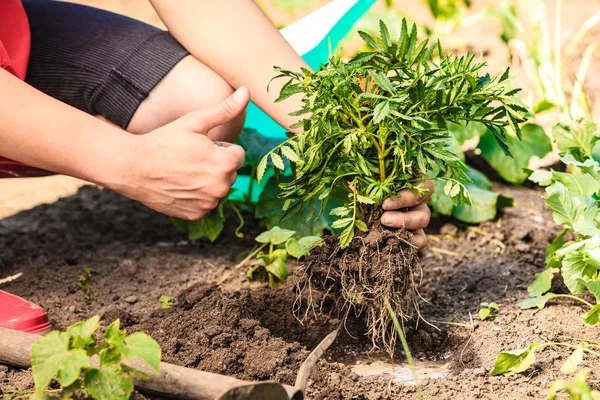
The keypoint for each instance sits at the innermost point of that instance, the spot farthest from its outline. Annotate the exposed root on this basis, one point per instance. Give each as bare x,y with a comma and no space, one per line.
374,266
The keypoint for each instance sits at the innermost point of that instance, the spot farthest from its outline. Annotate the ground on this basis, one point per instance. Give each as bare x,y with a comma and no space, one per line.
135,256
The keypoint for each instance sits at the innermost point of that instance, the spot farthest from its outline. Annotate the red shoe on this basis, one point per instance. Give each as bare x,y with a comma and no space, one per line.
19,314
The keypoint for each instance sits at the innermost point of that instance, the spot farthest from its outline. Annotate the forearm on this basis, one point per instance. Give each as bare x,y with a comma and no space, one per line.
237,40
42,132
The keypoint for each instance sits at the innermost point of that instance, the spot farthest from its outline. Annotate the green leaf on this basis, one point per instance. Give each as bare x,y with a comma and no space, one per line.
541,284
275,236
108,383
566,209
289,153
210,226
302,247
535,143
570,365
262,168
593,316
277,161
484,207
539,302
543,105
513,362
51,357
346,236
484,313
279,269
576,137
381,111
141,345
82,333
594,288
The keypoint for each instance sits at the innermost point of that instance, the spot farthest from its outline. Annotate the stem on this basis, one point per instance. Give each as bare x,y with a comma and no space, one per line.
238,232
409,358
570,296
242,263
571,346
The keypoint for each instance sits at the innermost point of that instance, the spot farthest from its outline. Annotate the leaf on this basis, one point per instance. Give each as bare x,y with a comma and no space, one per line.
593,316
535,143
289,153
302,247
210,226
543,105
51,357
278,268
484,207
513,362
484,313
556,244
570,365
566,210
108,383
261,169
275,236
141,345
346,236
277,161
594,288
541,284
82,333
381,111
539,301
575,137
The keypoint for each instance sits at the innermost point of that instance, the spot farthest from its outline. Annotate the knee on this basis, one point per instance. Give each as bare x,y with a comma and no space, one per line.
189,86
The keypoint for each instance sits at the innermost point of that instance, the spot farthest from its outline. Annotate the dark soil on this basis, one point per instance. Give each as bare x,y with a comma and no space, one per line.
376,266
250,331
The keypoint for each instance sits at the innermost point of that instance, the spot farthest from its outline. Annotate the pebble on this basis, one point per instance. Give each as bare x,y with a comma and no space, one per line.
479,371
71,309
128,267
131,299
335,379
522,247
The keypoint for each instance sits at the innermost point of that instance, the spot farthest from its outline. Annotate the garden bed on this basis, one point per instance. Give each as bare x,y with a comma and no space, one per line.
247,330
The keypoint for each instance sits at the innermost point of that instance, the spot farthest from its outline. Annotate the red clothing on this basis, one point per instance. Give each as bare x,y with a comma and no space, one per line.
14,38
14,56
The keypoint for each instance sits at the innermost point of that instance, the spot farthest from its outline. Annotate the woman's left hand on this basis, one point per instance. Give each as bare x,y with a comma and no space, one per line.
415,219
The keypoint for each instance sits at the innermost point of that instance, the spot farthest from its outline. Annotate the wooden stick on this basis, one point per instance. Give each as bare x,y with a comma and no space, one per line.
173,381
10,278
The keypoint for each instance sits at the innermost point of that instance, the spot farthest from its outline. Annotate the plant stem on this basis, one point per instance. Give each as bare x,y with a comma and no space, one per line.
253,253
570,296
409,358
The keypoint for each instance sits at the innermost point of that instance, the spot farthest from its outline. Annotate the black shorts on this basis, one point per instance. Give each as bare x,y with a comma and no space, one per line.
97,61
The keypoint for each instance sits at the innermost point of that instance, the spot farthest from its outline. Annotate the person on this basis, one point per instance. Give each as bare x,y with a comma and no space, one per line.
148,113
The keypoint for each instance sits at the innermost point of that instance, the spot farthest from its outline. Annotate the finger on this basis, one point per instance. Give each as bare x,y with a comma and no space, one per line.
203,121
408,198
415,218
419,239
233,155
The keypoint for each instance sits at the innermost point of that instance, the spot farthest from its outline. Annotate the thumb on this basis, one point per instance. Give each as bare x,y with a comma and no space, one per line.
203,121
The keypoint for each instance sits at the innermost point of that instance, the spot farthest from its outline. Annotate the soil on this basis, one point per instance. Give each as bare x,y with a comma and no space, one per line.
247,330
250,331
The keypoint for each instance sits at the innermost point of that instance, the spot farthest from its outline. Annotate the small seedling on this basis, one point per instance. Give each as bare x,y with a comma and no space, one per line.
517,361
67,358
272,266
166,302
488,310
83,283
578,389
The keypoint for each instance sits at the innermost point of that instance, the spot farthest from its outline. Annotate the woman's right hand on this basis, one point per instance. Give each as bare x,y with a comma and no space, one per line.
177,170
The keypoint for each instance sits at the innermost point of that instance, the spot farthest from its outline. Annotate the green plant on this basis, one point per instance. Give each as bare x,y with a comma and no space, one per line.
578,389
573,199
488,310
166,302
380,122
513,362
69,357
83,283
272,266
372,127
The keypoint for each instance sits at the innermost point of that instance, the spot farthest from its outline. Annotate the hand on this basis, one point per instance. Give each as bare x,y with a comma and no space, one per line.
415,220
177,170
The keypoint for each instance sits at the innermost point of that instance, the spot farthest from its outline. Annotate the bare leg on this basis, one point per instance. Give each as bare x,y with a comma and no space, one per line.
189,86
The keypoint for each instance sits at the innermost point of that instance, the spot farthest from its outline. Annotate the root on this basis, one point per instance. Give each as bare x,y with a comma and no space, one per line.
382,264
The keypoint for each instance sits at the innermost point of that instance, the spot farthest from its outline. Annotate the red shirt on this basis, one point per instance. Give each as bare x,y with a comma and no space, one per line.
14,38
14,55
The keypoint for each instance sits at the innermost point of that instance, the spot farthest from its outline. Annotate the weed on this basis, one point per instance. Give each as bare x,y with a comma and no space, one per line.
488,310
67,357
166,302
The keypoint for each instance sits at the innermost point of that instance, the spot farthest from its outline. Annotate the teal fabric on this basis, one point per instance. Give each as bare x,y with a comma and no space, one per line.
262,123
